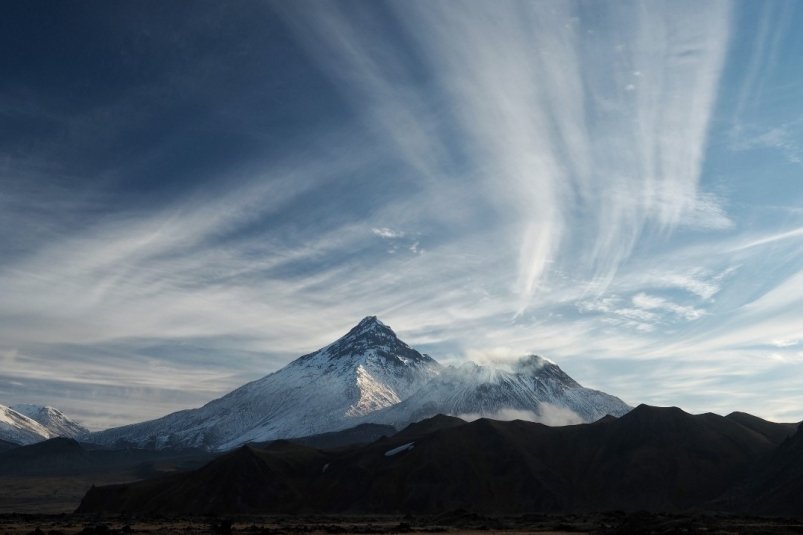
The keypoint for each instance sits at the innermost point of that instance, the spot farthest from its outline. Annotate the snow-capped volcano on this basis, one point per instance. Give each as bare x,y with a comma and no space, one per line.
534,389
55,421
368,375
19,429
367,369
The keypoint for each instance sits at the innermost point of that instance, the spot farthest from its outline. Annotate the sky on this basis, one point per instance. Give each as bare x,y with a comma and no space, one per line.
193,194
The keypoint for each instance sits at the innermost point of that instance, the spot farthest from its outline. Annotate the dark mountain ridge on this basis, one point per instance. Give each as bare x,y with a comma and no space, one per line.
359,434
655,459
778,487
6,445
66,457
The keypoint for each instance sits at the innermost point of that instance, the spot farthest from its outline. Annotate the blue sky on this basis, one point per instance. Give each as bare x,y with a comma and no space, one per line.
194,194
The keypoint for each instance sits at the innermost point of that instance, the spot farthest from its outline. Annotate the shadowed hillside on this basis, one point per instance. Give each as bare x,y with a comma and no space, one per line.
659,459
778,489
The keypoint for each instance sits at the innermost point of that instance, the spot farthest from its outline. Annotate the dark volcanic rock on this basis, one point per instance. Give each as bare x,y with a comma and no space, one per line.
65,457
245,480
430,425
778,488
774,432
360,434
54,456
5,445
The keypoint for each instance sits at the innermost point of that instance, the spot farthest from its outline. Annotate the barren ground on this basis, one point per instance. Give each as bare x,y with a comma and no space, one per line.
456,522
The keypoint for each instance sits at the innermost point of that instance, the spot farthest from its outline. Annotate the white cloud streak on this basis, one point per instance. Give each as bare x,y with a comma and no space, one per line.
387,233
645,302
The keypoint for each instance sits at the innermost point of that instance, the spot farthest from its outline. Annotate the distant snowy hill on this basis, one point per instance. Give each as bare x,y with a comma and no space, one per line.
369,375
19,429
55,421
367,369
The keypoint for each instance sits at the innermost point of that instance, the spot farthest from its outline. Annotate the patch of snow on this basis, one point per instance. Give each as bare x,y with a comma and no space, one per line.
400,449
374,394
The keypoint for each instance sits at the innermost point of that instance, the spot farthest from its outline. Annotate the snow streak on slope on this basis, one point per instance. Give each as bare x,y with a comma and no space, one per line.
18,428
328,390
55,421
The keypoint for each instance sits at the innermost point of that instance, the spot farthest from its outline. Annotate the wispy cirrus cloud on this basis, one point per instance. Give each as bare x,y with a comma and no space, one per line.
553,161
536,100
781,138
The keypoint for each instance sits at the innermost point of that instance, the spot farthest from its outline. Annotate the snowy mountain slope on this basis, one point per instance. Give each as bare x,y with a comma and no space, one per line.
331,389
19,429
536,389
55,421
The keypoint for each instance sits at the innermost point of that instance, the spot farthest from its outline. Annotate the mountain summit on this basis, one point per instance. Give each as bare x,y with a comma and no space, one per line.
371,365
17,428
371,336
52,419
536,365
368,375
28,424
330,389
